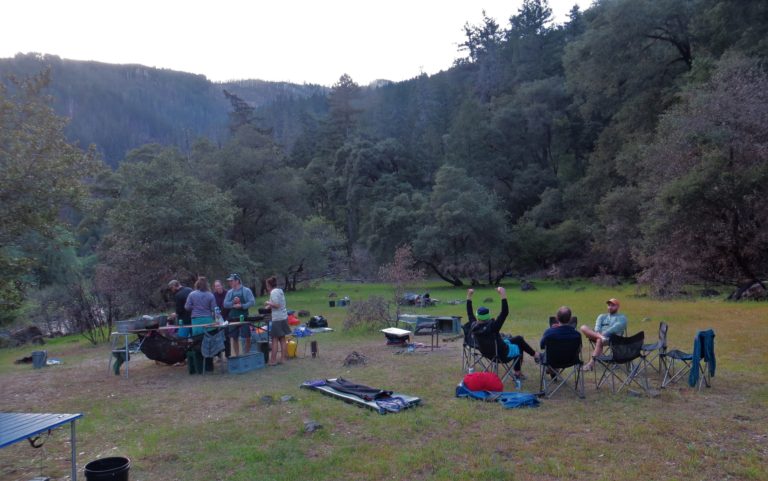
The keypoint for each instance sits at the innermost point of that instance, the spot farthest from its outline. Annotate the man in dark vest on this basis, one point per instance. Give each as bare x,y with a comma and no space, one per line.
182,316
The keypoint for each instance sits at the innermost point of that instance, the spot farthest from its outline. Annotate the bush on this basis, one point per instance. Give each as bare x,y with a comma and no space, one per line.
372,313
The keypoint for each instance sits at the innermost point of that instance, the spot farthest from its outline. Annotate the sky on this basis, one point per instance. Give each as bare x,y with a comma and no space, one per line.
299,41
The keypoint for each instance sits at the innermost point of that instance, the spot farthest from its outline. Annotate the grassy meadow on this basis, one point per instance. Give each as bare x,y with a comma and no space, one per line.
174,426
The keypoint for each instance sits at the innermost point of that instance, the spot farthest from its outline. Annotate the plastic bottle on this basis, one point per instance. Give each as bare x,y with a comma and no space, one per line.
470,370
217,315
518,383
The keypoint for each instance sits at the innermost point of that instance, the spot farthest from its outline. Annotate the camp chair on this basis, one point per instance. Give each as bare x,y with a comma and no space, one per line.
657,348
703,349
561,357
471,358
486,345
625,363
606,347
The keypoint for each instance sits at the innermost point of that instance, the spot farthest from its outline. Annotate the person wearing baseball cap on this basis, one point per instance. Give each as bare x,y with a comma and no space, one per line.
238,300
606,325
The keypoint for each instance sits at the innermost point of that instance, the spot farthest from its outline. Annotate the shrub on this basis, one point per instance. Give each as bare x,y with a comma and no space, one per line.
371,313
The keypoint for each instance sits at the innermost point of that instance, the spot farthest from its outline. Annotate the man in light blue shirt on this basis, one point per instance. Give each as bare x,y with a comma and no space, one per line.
606,325
238,300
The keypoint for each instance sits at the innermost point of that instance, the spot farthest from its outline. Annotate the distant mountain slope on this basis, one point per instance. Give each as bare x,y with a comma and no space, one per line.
120,107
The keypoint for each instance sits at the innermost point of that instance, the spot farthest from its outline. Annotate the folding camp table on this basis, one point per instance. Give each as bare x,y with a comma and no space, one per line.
15,427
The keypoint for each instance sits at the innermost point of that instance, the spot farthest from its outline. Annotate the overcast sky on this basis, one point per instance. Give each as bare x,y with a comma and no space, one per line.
312,41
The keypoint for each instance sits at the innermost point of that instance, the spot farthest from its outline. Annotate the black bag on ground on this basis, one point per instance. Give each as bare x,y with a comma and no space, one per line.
317,321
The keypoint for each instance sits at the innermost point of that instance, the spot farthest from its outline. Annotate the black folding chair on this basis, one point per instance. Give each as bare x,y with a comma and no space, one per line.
488,348
561,361
606,348
654,351
625,363
471,358
703,356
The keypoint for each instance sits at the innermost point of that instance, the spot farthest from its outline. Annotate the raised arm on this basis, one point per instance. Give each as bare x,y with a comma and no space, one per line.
470,312
504,306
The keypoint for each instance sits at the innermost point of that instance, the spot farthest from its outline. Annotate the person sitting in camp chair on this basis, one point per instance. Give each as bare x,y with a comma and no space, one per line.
487,332
606,326
561,355
562,328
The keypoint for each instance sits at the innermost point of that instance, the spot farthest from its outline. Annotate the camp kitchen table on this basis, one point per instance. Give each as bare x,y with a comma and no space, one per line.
15,427
118,338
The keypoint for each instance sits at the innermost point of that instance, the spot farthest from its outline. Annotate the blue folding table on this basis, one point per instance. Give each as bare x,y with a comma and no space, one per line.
15,427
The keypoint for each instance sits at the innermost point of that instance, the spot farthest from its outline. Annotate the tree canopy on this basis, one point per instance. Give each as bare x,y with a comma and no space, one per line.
629,140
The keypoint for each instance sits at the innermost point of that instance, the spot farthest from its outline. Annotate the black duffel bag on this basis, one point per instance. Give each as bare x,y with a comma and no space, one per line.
317,321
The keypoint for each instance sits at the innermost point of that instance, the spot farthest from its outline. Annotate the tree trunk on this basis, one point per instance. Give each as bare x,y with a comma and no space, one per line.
453,280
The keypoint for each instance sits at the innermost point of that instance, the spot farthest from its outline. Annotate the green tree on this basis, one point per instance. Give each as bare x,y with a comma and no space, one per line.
304,250
165,224
464,232
41,175
706,174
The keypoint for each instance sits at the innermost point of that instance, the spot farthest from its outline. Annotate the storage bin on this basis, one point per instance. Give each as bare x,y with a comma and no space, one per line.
245,363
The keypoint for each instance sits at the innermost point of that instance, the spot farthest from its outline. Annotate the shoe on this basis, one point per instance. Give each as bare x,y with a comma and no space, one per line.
588,367
537,357
520,376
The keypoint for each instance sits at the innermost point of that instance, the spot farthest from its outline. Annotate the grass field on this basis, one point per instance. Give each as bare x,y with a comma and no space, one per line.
174,426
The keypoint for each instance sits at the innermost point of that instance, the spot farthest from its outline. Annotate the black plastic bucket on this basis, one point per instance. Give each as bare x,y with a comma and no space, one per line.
108,469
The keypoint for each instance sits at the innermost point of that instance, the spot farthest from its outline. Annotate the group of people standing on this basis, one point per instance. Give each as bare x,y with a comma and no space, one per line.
198,307
486,332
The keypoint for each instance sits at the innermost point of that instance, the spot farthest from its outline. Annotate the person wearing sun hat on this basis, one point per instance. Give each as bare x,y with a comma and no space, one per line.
487,332
606,325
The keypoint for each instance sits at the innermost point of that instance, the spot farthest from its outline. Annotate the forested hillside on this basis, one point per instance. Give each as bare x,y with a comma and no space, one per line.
630,141
121,107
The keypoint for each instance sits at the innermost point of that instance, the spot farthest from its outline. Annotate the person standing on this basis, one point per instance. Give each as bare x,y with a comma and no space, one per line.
220,294
280,327
181,316
201,304
238,300
606,325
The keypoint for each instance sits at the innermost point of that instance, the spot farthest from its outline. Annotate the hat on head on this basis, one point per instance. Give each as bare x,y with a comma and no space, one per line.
233,277
483,314
614,301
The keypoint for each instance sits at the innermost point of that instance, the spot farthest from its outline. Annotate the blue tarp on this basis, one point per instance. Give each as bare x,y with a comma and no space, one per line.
508,399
